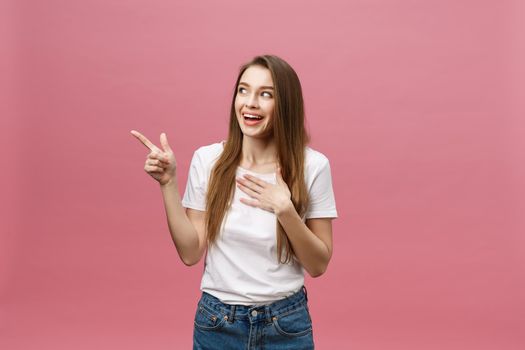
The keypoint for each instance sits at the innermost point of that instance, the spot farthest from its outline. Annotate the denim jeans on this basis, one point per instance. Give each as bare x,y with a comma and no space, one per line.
283,324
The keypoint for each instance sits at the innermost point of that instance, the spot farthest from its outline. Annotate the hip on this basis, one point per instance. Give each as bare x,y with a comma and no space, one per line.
284,323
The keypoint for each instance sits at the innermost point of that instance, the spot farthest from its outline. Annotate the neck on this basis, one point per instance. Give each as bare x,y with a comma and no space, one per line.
258,151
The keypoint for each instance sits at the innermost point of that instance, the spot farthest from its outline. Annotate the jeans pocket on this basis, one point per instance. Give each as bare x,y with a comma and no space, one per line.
207,319
294,323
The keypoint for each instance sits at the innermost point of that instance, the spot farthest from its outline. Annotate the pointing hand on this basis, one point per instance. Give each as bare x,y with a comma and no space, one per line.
160,163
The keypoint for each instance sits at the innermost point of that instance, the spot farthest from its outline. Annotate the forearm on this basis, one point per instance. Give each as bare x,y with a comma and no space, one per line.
309,249
183,233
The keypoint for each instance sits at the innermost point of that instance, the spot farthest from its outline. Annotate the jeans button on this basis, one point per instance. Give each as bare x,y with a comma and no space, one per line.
254,313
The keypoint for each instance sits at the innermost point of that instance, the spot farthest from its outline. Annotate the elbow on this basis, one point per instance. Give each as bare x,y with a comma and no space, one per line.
189,257
316,274
318,271
188,261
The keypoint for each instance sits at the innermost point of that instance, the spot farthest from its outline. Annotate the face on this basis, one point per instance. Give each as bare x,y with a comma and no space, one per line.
254,102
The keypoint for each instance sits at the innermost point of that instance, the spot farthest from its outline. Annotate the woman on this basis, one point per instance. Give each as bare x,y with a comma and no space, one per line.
261,204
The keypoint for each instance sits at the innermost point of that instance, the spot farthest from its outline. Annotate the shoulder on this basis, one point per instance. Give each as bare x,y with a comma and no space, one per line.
208,154
210,150
314,160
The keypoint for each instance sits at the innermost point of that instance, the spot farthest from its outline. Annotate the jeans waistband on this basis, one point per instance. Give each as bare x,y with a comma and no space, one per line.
254,313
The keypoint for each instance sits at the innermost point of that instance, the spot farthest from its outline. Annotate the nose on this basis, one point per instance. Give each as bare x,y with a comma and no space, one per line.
252,101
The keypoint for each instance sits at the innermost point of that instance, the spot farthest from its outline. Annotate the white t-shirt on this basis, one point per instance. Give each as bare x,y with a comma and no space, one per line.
242,267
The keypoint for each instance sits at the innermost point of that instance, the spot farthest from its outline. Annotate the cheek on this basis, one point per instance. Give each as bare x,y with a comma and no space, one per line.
237,105
267,105
270,108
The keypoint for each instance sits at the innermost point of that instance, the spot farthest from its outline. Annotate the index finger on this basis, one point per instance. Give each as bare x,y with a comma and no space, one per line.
255,180
144,140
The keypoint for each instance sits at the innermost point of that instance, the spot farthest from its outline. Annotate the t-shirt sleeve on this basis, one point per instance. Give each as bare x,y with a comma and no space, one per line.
321,194
195,193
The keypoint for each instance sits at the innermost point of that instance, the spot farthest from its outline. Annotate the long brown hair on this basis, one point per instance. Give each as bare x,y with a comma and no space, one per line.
291,138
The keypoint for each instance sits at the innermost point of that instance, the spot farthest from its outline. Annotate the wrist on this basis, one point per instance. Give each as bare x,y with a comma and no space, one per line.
169,184
284,208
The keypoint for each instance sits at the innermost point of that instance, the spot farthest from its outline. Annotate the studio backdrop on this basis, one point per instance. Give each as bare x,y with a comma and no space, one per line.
418,105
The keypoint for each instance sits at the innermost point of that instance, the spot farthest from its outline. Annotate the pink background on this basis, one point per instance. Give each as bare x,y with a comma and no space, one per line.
418,104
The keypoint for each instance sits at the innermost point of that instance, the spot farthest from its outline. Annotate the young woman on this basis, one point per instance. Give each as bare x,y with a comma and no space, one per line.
261,204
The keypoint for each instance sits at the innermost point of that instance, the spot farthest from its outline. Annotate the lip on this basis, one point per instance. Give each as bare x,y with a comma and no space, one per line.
249,122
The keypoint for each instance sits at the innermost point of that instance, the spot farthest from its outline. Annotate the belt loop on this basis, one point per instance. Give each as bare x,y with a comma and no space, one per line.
232,313
268,315
305,293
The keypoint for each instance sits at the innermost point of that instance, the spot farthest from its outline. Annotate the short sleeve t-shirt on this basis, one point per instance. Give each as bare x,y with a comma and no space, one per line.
242,267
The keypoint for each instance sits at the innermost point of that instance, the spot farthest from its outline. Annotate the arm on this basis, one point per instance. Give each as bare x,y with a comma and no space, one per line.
311,241
187,226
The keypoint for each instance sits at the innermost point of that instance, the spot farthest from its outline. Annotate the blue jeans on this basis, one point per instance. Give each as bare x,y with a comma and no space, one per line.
283,324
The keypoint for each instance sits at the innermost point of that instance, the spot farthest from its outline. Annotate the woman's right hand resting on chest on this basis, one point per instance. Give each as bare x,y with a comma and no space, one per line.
160,163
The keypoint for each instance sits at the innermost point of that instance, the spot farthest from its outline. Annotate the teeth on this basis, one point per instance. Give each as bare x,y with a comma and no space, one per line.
252,116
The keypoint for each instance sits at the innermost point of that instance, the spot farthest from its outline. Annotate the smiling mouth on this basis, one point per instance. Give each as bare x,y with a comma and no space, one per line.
248,116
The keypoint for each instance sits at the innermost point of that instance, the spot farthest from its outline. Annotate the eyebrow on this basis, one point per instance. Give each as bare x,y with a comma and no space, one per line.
262,87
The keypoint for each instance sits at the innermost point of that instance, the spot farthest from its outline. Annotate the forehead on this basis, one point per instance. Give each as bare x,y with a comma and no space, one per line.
257,76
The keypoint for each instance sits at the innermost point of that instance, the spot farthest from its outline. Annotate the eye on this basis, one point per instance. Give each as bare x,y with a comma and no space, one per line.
269,94
240,89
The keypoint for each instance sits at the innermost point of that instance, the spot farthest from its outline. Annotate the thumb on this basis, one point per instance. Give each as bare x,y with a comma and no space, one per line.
164,142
